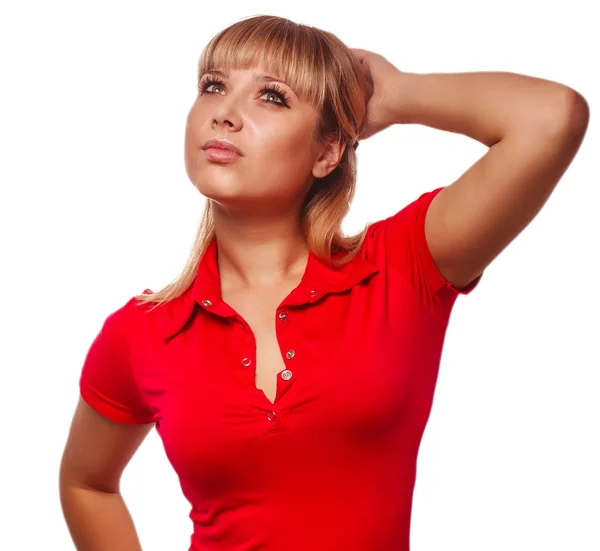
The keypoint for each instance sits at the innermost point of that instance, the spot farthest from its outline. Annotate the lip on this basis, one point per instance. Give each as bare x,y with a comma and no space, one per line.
221,144
221,155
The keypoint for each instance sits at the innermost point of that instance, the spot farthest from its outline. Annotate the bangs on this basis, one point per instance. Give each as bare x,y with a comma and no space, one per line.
290,53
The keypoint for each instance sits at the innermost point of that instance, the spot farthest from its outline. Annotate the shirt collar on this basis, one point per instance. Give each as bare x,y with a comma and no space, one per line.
318,280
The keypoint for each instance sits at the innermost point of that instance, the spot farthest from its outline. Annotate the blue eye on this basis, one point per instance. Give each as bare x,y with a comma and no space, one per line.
274,89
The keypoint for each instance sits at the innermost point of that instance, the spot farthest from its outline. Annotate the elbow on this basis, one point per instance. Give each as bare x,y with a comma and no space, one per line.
574,112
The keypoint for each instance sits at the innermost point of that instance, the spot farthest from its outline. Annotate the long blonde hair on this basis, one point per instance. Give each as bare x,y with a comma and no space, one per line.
323,71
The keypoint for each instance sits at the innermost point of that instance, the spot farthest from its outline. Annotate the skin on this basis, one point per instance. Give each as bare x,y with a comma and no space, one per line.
257,198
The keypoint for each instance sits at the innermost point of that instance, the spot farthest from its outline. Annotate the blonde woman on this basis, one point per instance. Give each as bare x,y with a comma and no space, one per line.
290,370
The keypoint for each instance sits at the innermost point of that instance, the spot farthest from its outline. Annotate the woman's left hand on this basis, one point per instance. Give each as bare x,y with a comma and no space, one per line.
383,92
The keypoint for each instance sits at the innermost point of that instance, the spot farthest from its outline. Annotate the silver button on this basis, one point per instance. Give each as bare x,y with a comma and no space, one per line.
272,416
313,293
283,316
290,354
246,362
286,375
207,302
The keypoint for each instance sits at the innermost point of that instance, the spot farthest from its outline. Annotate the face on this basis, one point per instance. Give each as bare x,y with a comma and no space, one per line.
273,129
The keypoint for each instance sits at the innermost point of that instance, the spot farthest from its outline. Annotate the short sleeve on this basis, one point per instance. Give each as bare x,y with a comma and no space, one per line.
107,380
407,250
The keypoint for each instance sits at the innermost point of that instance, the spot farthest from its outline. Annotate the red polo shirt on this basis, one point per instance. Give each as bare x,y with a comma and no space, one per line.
331,464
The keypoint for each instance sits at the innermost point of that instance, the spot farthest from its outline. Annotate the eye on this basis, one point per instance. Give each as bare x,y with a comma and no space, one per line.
277,91
273,89
204,84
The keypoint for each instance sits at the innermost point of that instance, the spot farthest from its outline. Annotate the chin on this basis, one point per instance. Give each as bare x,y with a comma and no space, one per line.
220,191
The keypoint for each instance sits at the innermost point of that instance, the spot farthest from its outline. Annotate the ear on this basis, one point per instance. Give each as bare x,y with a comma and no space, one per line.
329,157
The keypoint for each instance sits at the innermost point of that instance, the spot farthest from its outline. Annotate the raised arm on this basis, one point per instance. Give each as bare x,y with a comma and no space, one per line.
533,127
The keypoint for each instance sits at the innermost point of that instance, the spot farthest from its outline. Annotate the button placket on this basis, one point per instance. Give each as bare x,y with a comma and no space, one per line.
286,375
246,361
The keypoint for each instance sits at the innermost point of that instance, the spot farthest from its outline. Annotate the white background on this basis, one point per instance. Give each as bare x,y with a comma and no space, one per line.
96,206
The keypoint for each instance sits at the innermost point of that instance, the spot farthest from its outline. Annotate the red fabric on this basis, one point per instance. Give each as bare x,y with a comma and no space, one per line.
331,464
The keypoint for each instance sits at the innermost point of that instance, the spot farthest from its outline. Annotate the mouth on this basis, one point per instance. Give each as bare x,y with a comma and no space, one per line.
223,144
221,155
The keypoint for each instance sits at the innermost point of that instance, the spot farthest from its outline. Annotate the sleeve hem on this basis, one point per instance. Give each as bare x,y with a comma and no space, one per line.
110,409
442,282
466,290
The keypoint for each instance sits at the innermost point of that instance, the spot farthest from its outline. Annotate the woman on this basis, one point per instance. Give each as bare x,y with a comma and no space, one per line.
290,370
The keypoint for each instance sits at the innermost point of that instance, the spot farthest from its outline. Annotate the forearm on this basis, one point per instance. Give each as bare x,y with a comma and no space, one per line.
485,106
98,521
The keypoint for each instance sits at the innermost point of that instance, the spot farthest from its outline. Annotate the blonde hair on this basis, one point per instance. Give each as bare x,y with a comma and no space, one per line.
325,72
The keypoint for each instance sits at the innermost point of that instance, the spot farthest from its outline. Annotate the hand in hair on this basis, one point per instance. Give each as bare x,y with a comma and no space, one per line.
384,90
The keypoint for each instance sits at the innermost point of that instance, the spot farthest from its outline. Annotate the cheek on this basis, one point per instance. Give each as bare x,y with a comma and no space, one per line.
287,144
189,146
192,139
191,126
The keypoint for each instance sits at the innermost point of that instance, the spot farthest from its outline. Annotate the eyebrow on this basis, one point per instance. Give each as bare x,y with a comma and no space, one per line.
257,77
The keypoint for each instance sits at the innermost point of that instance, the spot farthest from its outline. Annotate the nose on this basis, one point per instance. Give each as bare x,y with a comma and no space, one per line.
225,112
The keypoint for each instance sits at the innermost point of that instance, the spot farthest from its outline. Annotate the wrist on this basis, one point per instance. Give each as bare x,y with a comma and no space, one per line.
404,93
